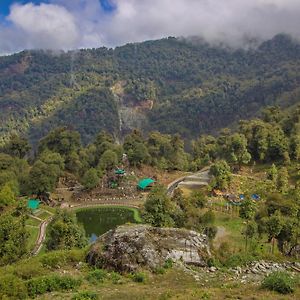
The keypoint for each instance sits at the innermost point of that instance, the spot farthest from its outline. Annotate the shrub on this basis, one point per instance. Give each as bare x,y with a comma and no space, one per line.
159,270
55,259
85,295
168,264
28,270
12,287
239,259
280,282
139,277
97,276
116,278
213,262
42,285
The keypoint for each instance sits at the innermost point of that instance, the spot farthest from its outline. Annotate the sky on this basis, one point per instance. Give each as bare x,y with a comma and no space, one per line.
73,24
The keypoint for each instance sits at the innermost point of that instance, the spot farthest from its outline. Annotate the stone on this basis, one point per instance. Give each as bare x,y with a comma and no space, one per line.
129,247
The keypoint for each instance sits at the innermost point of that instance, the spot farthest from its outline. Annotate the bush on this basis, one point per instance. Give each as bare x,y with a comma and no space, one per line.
116,278
139,277
159,270
97,276
213,262
55,259
12,287
42,285
85,295
280,282
239,259
29,270
168,264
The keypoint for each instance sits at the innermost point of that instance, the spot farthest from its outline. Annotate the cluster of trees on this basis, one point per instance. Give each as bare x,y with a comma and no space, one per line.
278,218
13,236
272,138
65,233
160,210
61,150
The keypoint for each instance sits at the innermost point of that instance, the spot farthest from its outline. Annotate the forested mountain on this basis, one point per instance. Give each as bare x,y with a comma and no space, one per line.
171,85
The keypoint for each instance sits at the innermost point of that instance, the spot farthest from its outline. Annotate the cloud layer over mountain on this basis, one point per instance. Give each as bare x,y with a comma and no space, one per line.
69,24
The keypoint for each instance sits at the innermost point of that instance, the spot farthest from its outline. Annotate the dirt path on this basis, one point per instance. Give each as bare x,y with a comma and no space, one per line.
41,237
200,178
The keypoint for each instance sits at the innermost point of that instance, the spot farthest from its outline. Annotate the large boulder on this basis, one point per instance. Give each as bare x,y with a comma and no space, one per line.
129,247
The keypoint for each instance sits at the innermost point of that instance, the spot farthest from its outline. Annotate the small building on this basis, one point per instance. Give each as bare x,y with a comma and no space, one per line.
255,197
145,183
120,172
33,204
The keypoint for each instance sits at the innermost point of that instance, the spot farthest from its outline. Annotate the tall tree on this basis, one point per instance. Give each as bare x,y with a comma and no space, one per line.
159,208
17,146
221,174
65,233
247,212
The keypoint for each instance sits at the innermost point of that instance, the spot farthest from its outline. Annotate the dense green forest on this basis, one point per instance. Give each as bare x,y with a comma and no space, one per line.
193,87
273,140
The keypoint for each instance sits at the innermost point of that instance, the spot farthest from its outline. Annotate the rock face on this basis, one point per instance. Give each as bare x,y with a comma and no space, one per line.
129,247
295,252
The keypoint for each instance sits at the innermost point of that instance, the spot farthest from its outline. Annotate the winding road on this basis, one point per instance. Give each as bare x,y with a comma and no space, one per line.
195,180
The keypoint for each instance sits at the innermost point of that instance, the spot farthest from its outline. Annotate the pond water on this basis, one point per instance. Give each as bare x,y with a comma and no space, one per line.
97,221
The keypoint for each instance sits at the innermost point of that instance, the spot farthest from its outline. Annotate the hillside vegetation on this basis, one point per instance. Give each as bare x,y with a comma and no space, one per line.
151,85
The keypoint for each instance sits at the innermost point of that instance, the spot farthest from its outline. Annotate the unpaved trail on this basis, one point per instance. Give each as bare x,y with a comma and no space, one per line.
195,180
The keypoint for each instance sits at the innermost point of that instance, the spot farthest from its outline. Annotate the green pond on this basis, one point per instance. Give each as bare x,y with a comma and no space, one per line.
97,221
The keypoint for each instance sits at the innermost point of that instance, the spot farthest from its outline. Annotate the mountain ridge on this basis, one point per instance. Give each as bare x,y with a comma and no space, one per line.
193,88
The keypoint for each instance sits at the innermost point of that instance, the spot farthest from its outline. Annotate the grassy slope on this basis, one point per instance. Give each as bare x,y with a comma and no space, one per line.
173,284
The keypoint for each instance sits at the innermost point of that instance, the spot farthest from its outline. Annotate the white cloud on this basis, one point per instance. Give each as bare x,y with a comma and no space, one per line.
66,24
228,21
46,25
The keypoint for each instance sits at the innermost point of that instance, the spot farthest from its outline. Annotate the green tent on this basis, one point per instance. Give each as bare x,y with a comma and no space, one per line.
33,204
144,183
119,172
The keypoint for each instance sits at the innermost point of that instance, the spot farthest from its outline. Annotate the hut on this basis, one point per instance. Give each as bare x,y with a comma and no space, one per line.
33,204
145,183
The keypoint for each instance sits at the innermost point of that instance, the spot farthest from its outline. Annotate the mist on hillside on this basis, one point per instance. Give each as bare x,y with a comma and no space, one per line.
65,24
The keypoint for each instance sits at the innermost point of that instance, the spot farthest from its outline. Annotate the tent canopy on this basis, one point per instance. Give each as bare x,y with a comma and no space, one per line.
119,172
144,183
33,204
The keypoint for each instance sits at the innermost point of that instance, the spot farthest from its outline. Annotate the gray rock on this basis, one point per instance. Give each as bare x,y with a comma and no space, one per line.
129,247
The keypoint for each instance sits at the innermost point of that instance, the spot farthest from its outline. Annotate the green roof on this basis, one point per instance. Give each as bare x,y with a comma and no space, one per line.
145,183
120,172
33,204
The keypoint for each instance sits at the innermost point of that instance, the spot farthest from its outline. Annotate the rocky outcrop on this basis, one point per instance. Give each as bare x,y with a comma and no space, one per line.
295,252
130,247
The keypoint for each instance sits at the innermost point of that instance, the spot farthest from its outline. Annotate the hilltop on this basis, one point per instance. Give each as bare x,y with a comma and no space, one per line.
171,85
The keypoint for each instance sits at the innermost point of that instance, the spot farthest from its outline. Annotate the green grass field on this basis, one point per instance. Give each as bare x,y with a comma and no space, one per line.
33,235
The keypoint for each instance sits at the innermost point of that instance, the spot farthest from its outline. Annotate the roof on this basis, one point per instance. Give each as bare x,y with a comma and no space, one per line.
145,183
33,204
255,197
119,172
